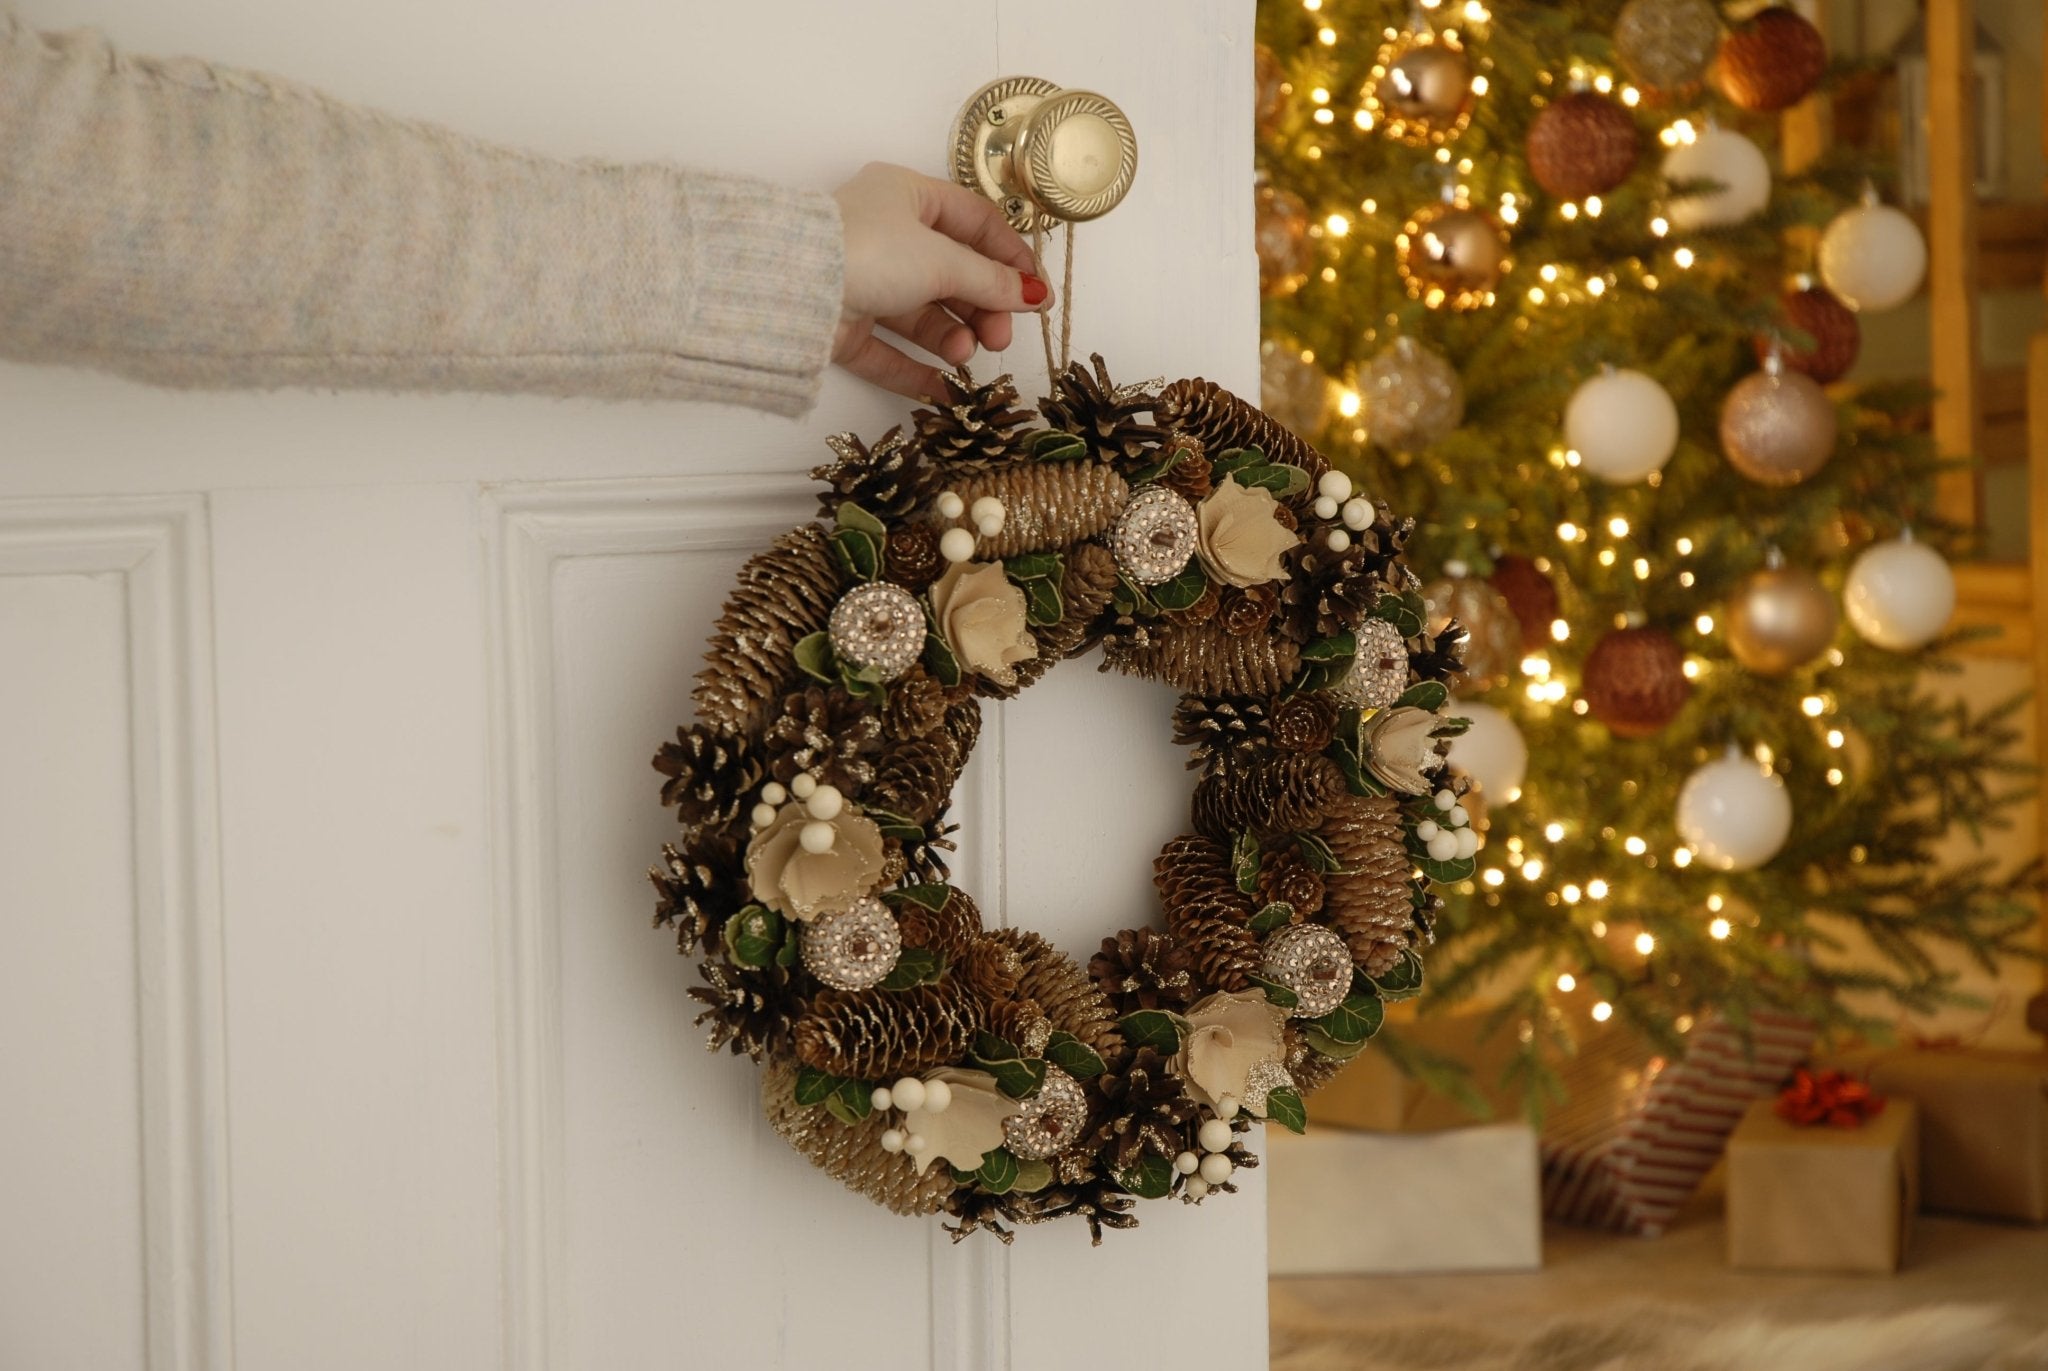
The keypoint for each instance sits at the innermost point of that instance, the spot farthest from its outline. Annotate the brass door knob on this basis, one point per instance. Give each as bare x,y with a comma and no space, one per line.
1044,154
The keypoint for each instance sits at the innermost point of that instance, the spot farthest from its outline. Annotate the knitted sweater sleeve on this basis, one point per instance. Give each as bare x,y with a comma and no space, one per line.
191,225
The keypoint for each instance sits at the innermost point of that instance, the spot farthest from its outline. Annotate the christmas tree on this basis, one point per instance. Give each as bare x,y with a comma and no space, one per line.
1536,271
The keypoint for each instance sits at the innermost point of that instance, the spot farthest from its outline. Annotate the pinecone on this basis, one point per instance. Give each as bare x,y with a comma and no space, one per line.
851,1152
1327,592
1442,655
951,932
827,733
888,480
922,860
710,775
911,557
1047,505
783,595
1267,794
1206,912
1189,476
1147,1109
992,968
1213,729
1249,610
1098,1199
878,1035
1310,1069
1206,660
1063,991
1305,722
916,707
915,779
1204,410
1085,589
754,1011
1091,407
1371,902
1143,969
1286,877
973,424
700,889
1200,612
1017,1021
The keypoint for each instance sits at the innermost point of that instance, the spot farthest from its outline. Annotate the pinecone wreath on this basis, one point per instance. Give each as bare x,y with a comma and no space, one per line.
942,1067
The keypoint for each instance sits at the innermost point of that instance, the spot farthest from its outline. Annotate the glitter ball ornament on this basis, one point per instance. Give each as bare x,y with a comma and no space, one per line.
1314,963
1529,594
1634,681
1873,256
1900,595
1582,144
854,948
1772,62
1817,312
1493,637
1379,673
1050,1120
1411,396
1623,425
1280,235
1777,427
1737,167
1734,813
1154,536
1293,393
1261,1081
1779,619
1420,89
878,626
1452,256
1667,45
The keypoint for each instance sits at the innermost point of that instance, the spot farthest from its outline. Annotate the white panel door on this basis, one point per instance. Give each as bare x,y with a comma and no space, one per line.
332,1031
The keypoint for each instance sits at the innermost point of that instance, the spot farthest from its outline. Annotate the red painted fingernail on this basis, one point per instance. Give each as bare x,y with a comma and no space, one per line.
1034,289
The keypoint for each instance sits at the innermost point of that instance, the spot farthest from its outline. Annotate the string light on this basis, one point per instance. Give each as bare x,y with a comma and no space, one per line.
1554,831
1559,630
1532,869
1493,876
1567,983
1645,944
1835,776
1705,624
1684,547
1597,889
1618,526
1324,116
1682,858
1328,37
1714,903
1719,929
1835,737
1338,225
1479,85
1636,847
1631,97
1642,565
1660,226
1599,928
1568,211
1692,668
1686,578
1813,706
1567,532
1594,205
1602,1012
1606,556
1320,96
1683,256
1596,286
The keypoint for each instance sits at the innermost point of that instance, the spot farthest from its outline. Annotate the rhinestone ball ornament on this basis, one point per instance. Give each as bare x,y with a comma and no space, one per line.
1154,536
1314,963
1379,673
1262,1080
878,626
852,949
1050,1120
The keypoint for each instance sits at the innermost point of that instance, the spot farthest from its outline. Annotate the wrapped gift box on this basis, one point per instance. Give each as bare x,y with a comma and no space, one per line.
1372,1093
1341,1202
1822,1199
1984,1124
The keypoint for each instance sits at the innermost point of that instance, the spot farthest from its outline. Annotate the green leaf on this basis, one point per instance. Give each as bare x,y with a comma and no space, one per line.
851,1102
1448,873
1032,1176
1284,1107
1236,459
1244,863
753,935
1355,1020
1324,1045
1429,695
814,1086
785,956
895,825
999,1171
815,656
851,515
932,896
1317,854
1327,661
1152,471
939,660
988,1045
1153,1028
1283,480
1035,566
1401,980
1183,590
914,966
1340,647
1073,1056
1042,605
1053,445
1016,1075
1150,1179
1276,993
859,551
1275,915
863,684
1404,612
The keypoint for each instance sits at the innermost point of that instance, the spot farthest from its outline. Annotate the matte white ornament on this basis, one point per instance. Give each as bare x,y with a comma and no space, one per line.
908,1093
1717,154
1873,256
956,545
1186,1163
764,815
1468,843
1216,1168
881,1099
938,1097
1357,515
816,837
1899,595
1334,484
1492,751
892,1140
1325,507
773,793
1734,813
825,802
951,506
1443,847
1214,1136
1339,540
1623,425
804,786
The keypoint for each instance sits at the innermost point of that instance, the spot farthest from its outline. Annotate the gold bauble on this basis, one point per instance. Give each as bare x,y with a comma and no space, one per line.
1280,233
1420,89
1452,255
1779,619
1493,642
1667,45
1294,393
1777,426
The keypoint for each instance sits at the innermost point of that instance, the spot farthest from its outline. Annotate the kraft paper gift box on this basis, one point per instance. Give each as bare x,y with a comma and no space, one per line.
1343,1202
1984,1124
1822,1199
1374,1094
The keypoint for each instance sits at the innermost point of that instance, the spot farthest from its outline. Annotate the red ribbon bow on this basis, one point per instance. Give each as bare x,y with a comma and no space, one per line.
1828,1097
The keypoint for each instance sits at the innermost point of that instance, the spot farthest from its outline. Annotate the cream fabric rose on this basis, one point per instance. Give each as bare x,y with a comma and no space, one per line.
804,884
1228,1035
1399,748
1240,538
966,1128
981,616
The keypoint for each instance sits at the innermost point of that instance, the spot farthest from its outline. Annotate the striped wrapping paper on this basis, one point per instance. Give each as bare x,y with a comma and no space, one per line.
1639,1133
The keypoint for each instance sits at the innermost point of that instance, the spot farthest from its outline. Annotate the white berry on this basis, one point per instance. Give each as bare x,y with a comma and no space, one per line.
951,506
764,815
1468,842
1227,1107
1216,1168
937,1096
892,1140
915,1143
1334,484
1339,540
1197,1187
988,509
1325,507
804,786
1443,847
1444,800
881,1098
817,837
1214,1136
1427,829
988,528
1186,1163
1457,818
825,802
957,545
1357,514
909,1093
773,793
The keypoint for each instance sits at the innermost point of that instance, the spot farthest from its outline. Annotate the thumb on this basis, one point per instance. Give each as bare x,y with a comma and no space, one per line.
965,274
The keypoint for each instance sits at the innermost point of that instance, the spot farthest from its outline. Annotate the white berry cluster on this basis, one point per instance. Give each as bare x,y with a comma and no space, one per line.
1452,840
988,516
1213,1137
932,1097
1334,499
822,802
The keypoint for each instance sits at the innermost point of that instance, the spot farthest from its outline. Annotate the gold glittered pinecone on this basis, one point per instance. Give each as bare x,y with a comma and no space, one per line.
711,774
700,887
1305,722
1213,729
1107,418
1147,1109
1206,660
1223,422
916,707
1085,588
1327,592
911,557
1248,609
920,860
1189,476
1016,1021
783,595
992,969
888,480
1098,1199
915,778
1310,1069
1201,611
971,423
828,733
951,931
878,1035
1285,877
852,1152
963,723
1142,968
1206,912
1063,991
1267,794
1047,505
1371,901
753,1011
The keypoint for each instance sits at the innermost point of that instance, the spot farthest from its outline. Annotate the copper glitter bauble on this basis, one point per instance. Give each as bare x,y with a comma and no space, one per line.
1050,1121
1154,536
1493,641
1837,337
1269,84
1410,396
1452,255
852,949
1280,234
1314,963
1293,393
1777,427
1582,144
1634,681
1667,45
1779,619
878,626
1530,596
1420,89
1771,63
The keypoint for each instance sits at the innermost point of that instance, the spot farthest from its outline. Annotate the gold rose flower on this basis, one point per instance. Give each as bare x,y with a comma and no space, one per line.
982,618
1400,747
1228,1035
969,1126
1240,538
801,884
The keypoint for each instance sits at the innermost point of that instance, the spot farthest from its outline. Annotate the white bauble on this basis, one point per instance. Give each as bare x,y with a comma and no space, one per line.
1734,813
1492,752
1873,257
1900,595
1728,158
1623,425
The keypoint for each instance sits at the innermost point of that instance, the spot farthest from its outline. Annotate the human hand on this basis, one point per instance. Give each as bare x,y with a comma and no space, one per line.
933,263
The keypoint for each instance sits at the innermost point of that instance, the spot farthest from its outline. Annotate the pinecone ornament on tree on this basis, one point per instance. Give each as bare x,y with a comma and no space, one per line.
974,424
1285,877
1102,414
911,557
916,708
1303,723
951,931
